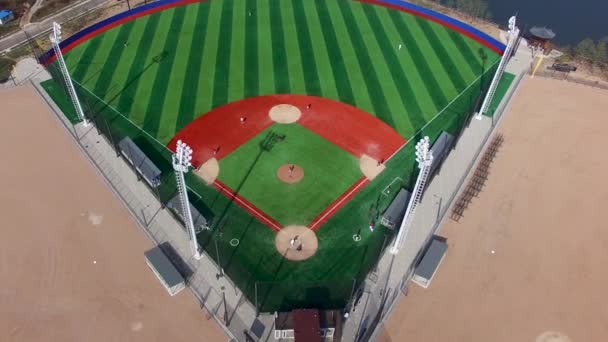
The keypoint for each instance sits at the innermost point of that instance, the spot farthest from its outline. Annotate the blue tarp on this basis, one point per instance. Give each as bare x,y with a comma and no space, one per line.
5,13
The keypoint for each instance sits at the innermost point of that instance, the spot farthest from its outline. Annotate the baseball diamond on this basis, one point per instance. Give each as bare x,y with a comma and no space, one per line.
329,91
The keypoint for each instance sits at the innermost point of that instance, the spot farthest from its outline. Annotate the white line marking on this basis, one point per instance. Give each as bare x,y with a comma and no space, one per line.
342,198
390,184
237,198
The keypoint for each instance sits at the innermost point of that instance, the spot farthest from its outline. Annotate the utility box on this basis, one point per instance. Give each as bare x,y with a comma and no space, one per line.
164,270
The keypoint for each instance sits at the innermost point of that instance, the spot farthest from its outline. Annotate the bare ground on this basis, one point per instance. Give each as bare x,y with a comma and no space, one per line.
543,213
71,260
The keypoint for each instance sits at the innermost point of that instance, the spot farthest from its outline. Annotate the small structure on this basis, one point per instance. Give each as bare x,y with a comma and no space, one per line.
440,149
6,16
200,222
395,211
426,269
164,270
306,325
540,37
143,165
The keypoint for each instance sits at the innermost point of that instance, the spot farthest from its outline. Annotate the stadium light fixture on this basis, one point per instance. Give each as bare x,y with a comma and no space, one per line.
182,161
424,157
55,41
512,38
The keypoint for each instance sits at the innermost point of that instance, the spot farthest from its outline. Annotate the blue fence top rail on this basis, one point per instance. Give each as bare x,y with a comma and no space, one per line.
101,26
448,20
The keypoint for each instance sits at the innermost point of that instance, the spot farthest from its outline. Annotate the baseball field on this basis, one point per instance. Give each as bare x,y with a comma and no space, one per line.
299,112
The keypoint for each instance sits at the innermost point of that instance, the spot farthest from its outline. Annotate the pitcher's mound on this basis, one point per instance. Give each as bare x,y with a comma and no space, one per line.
290,173
370,167
209,170
296,243
285,113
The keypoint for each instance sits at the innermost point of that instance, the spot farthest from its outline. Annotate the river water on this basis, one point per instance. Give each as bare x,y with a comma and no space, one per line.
572,21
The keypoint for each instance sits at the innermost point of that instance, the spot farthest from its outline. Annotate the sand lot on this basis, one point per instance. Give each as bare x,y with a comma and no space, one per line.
544,213
71,257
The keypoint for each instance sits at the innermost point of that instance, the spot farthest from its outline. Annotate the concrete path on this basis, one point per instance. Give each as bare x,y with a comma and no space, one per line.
35,29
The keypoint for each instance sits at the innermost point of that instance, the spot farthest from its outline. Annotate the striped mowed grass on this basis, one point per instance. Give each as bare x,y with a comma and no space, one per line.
328,172
163,70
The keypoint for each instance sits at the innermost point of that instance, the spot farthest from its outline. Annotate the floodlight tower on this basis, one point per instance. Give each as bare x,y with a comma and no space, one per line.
55,40
182,160
424,157
512,37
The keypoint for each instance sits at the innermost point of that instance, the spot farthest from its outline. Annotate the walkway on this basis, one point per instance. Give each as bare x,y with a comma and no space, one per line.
36,29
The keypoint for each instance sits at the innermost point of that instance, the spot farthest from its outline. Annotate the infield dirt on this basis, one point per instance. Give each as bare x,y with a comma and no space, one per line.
527,259
71,262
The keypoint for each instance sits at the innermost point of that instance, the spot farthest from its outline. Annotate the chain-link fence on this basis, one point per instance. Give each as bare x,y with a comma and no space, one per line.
115,126
390,295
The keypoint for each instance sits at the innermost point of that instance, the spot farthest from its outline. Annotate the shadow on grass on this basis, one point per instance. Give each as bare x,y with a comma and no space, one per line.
266,145
156,59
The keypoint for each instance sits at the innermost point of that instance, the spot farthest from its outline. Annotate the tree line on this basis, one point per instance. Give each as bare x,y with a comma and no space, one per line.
594,52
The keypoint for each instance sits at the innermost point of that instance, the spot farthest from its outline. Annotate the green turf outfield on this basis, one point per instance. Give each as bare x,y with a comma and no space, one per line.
166,76
328,172
182,62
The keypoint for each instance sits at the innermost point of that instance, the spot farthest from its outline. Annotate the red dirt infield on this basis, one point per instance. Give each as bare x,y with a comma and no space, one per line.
351,129
222,130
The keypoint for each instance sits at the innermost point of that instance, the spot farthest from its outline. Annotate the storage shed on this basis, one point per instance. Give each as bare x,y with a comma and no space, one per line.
164,270
425,271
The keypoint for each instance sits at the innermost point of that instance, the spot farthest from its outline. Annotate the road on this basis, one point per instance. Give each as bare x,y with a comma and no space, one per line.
35,29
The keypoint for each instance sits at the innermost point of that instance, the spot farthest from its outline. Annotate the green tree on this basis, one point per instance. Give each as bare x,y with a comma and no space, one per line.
6,67
601,52
585,49
474,8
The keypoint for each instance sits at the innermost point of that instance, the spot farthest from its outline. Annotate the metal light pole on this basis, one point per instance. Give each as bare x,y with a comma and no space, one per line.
512,37
424,157
55,40
182,160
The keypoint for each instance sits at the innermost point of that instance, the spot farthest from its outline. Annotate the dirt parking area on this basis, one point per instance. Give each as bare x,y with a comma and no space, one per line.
71,261
527,261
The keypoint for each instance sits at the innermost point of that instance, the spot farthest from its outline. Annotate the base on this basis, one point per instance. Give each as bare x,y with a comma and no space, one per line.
296,243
